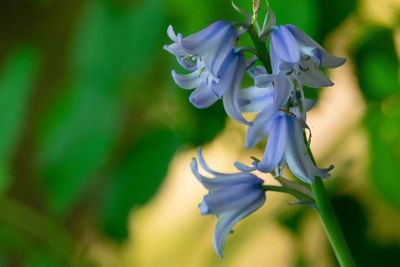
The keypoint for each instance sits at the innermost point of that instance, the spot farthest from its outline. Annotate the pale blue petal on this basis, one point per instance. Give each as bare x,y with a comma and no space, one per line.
228,220
204,164
257,70
260,127
313,77
231,96
308,104
204,40
187,81
296,152
175,49
263,80
282,90
244,168
187,64
254,99
284,45
325,59
297,157
273,58
225,180
204,210
202,96
231,66
216,56
232,198
275,145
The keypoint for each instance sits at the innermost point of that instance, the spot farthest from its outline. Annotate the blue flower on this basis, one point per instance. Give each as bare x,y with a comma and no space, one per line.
231,197
300,57
217,70
285,144
213,43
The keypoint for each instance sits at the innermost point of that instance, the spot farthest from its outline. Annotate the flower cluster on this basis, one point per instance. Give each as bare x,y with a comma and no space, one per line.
217,70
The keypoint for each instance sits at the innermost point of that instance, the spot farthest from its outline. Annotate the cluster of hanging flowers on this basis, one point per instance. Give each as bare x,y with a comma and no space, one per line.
217,69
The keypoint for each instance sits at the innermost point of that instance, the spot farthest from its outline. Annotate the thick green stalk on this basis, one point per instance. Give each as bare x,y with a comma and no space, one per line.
263,55
330,222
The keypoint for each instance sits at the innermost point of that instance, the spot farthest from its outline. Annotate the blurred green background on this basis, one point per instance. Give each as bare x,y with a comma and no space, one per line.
95,137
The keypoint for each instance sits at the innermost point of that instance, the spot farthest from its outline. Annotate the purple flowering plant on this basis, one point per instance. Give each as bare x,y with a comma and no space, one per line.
216,69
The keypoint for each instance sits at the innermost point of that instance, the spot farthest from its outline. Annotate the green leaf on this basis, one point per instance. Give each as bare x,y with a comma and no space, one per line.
377,63
137,178
16,84
384,133
114,41
79,130
77,145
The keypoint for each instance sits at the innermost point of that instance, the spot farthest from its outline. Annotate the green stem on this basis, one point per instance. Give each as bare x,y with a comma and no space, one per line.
288,190
330,222
261,48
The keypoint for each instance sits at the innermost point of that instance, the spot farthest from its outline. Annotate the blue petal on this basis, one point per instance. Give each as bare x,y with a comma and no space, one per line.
231,96
216,56
224,180
275,145
260,127
312,48
204,210
257,70
231,65
284,45
254,99
187,81
187,64
204,164
232,198
282,90
263,80
326,59
297,157
206,39
203,96
228,220
244,168
313,77
274,59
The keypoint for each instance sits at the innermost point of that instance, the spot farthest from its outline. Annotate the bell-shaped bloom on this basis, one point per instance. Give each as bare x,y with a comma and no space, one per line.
231,197
299,56
213,44
285,145
208,88
217,70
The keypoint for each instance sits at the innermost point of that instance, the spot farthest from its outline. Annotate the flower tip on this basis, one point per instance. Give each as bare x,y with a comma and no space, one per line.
204,209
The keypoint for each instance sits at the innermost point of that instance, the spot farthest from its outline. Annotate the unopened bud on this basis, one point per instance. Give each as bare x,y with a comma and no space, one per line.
256,7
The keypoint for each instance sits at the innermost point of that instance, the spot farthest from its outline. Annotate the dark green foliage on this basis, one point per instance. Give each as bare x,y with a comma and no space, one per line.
137,178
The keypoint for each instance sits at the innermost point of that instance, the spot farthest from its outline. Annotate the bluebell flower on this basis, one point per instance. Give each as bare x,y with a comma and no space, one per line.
300,57
217,70
231,197
213,44
285,144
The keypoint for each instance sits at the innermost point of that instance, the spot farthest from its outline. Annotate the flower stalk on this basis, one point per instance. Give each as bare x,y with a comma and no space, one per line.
330,222
261,48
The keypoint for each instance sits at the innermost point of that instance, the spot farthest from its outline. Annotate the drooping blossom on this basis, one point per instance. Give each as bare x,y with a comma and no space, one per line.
285,145
217,70
299,56
231,197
